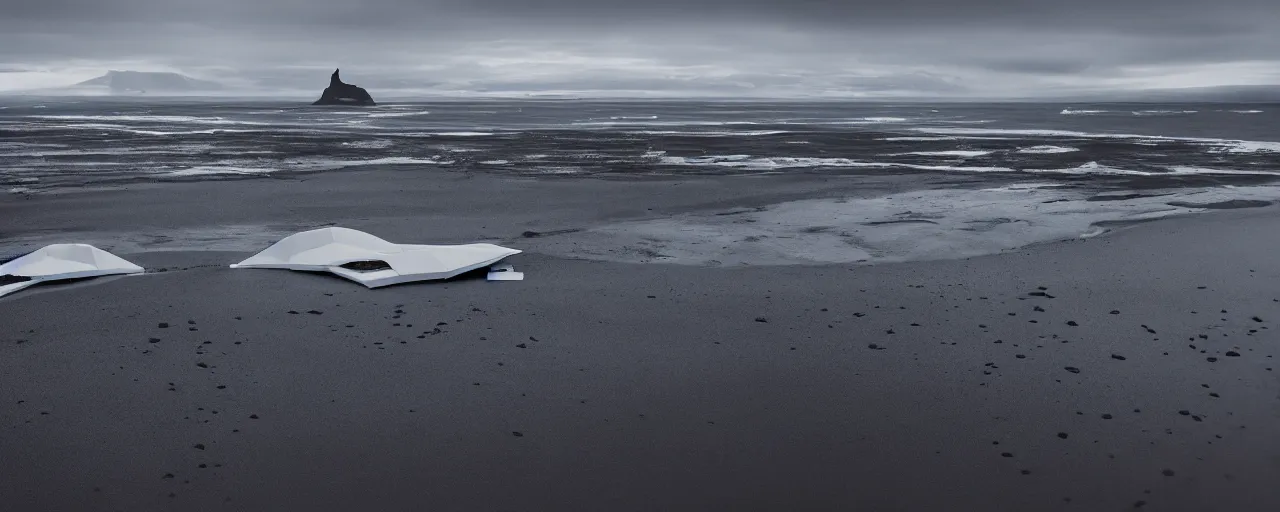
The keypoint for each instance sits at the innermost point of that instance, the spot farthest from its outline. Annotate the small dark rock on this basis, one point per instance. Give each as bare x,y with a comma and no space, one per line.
199,446
1062,435
1072,369
1117,357
518,434
1072,323
762,320
1232,353
163,325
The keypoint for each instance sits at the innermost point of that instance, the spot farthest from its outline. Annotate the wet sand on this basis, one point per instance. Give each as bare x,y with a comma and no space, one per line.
1132,370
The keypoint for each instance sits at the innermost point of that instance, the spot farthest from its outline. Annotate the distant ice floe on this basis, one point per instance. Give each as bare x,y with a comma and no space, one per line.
908,226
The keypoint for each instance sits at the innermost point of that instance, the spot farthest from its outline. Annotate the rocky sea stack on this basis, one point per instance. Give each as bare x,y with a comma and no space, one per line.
339,93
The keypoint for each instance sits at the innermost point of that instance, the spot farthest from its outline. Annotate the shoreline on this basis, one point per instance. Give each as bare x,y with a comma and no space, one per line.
699,220
995,382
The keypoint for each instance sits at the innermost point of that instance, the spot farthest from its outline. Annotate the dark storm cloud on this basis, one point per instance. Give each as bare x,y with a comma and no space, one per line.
1040,66
732,46
1191,17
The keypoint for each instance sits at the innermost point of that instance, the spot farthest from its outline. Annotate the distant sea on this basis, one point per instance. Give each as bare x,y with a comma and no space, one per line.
48,144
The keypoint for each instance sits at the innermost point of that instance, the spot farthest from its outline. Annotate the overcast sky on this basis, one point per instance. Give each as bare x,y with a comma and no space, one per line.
830,48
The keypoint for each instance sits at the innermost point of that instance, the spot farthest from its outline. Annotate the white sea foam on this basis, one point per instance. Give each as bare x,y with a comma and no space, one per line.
916,139
399,114
26,145
1018,132
369,144
1248,146
151,119
618,118
206,170
1246,111
1096,169
748,133
665,123
1046,150
910,226
1180,169
749,162
868,120
1220,145
1075,112
1163,112
957,152
496,162
390,160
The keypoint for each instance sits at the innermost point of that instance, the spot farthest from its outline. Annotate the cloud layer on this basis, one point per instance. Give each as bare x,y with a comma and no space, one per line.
670,47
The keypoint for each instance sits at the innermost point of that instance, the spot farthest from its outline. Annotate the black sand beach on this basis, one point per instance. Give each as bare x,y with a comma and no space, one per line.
1128,371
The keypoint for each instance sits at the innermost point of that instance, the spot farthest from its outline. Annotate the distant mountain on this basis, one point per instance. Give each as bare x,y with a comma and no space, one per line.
144,82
